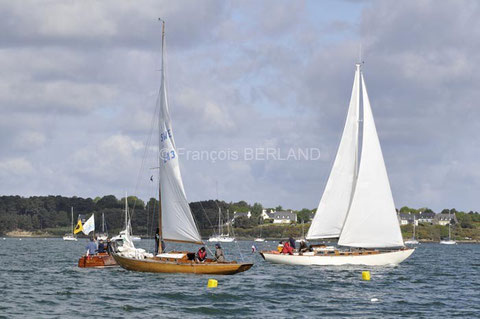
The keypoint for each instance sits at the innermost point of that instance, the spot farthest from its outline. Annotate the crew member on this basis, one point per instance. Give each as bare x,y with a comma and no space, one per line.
287,249
101,246
201,254
219,256
91,247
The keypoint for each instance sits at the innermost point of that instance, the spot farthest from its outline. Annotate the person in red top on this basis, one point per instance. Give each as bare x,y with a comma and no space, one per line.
201,254
287,249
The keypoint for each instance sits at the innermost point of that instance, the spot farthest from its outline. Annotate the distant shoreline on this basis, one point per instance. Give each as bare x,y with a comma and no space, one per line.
27,234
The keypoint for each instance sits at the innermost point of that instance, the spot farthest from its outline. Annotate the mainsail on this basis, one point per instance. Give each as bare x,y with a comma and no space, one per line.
371,221
176,218
333,206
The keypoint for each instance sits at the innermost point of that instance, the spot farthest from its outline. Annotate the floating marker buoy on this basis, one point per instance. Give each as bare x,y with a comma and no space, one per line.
212,283
365,275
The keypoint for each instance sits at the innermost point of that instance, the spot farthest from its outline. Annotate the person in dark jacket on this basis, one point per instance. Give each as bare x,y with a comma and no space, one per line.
157,240
292,242
101,246
201,255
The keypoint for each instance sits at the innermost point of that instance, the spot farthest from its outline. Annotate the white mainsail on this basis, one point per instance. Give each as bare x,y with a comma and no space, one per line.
177,220
372,220
333,206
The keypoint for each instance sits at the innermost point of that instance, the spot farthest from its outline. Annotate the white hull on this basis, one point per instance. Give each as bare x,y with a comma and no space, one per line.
260,239
69,238
411,242
381,259
221,239
448,242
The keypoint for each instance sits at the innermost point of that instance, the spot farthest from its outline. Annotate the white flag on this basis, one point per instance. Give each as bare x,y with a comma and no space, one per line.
89,225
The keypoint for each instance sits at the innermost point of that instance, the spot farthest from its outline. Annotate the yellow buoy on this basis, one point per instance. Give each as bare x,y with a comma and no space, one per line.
365,275
212,283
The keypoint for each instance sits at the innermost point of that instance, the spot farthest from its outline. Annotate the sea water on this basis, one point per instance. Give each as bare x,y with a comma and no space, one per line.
39,278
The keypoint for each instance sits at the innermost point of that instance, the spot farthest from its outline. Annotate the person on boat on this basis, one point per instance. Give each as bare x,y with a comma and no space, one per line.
254,248
303,247
219,256
201,255
280,246
101,246
287,249
157,240
292,242
91,247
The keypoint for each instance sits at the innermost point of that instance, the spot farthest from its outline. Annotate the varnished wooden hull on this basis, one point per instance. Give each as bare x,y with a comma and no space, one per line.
97,261
191,267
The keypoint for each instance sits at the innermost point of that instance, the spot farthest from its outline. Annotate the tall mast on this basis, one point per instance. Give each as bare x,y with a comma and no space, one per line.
126,214
162,92
103,223
72,218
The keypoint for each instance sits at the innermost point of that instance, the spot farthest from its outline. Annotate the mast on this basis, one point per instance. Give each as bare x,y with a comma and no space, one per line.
126,214
103,223
449,220
220,230
72,218
413,226
162,88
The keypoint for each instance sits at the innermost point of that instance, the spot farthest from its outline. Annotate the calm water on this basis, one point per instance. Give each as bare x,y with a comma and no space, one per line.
40,279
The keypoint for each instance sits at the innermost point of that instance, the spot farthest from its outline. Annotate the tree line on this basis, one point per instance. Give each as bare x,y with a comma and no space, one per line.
51,214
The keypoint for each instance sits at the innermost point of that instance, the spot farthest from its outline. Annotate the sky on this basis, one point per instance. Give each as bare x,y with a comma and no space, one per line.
79,80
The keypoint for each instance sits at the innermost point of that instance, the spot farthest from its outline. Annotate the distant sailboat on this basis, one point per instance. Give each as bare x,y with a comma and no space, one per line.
221,237
175,219
449,241
412,241
122,236
357,205
70,236
103,235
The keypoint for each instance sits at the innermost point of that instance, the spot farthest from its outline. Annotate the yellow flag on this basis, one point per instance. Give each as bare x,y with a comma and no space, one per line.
78,228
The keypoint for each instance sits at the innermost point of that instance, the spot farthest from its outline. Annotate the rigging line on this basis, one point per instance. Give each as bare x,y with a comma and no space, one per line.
208,219
145,151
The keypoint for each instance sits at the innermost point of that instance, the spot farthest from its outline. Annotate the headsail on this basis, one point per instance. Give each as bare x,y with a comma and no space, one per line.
333,206
372,220
177,220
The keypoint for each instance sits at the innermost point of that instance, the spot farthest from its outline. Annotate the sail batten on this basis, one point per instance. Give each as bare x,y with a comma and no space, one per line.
333,206
371,221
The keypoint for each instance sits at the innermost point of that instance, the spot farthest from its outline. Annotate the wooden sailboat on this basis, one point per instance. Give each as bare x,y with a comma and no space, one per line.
70,236
175,223
357,205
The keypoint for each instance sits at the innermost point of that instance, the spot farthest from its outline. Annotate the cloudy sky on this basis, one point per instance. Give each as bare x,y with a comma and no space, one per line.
78,84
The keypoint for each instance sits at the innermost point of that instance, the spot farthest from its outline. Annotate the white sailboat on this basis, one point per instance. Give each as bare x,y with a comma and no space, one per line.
103,235
70,236
412,241
122,236
221,237
449,241
357,205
